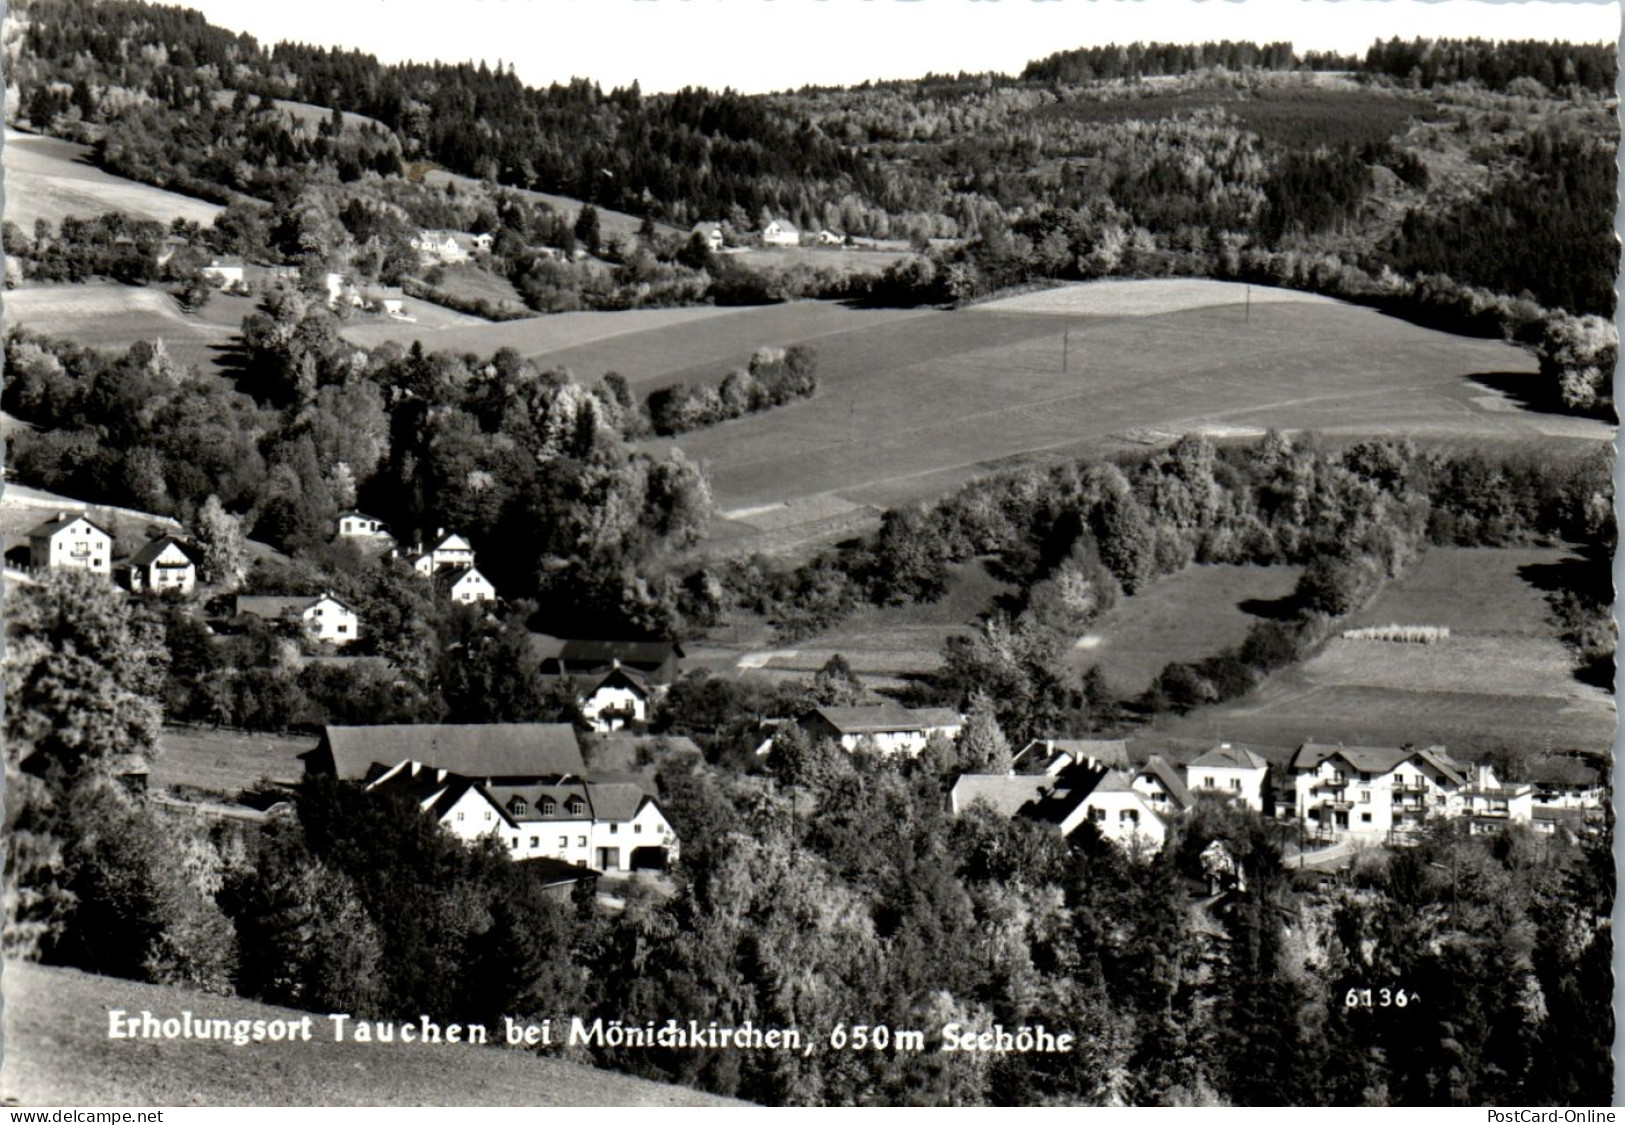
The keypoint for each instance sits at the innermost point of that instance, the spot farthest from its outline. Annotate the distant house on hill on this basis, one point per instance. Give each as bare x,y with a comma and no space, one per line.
70,541
830,238
225,272
359,525
447,550
389,300
608,826
323,617
497,752
438,246
1567,783
1079,794
712,233
780,232
166,563
1235,771
341,291
658,661
1373,792
464,585
889,727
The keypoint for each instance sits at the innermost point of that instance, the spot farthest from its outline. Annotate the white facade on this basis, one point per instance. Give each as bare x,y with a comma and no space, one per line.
471,587
330,620
1237,773
76,544
172,569
229,276
1122,816
780,233
449,551
356,525
613,707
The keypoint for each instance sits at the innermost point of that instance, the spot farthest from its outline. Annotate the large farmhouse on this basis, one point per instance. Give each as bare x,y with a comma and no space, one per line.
1234,771
608,826
495,752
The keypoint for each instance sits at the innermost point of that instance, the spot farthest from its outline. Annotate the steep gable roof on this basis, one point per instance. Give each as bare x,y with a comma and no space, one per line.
63,520
478,750
1374,759
1006,794
879,718
639,654
1156,767
148,555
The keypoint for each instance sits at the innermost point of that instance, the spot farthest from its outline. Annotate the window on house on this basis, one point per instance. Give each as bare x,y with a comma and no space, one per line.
564,841
487,814
1235,783
614,828
459,816
344,628
1097,816
1210,782
548,806
519,806
1128,816
581,841
637,828
576,806
516,842
1365,818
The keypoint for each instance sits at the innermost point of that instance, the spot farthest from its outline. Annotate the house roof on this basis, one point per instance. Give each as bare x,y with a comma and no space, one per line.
1156,767
1108,751
578,657
450,576
531,750
603,800
883,717
273,606
605,677
1374,759
64,519
1225,756
148,555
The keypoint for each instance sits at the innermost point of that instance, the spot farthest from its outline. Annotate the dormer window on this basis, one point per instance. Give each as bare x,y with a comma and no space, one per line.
548,806
518,806
576,806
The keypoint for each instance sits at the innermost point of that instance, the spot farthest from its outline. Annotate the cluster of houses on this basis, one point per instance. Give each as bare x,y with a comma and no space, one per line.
778,232
1335,793
449,247
525,786
234,275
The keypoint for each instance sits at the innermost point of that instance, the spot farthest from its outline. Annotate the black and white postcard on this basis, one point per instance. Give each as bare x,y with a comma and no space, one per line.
809,553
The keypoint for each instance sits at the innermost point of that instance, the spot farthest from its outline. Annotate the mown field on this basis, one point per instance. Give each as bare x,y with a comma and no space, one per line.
225,761
108,315
845,260
51,179
1188,616
58,1053
1502,678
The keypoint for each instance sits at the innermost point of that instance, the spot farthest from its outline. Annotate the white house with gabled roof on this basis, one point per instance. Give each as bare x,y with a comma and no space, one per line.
71,541
1234,771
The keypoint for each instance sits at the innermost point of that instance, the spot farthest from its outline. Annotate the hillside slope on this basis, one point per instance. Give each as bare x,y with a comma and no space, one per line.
57,1051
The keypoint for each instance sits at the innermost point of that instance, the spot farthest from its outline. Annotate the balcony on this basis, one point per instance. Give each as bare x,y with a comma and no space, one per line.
1331,783
1337,806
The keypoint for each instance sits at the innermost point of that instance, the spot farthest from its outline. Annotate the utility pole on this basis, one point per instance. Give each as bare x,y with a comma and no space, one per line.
1249,316
1066,340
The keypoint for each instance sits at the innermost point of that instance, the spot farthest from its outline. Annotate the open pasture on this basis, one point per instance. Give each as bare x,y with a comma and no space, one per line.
1501,678
58,1052
51,179
610,223
225,761
846,260
1185,617
913,407
112,316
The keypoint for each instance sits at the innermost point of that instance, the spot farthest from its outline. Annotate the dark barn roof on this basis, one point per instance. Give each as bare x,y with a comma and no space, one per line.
480,750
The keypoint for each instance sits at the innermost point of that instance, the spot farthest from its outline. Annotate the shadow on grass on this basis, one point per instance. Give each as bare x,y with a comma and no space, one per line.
1539,393
1580,589
1272,609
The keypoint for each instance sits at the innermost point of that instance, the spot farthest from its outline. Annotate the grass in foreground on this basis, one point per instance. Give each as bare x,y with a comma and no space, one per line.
57,1052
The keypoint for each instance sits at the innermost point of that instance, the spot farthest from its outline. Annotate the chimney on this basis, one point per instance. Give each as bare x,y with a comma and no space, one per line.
439,533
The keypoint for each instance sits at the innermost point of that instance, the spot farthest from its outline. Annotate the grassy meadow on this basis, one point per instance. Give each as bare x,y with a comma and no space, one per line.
58,1053
53,179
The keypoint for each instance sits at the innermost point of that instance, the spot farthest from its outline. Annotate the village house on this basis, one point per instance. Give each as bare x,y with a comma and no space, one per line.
830,238
712,233
359,525
70,541
438,246
612,827
1079,794
887,728
780,232
1236,772
617,699
390,300
324,618
1567,783
341,291
447,550
1161,787
464,585
1490,805
166,563
498,753
1373,793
